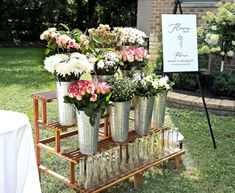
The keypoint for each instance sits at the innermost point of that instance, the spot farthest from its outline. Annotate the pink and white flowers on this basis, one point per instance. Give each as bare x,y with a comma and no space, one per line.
134,57
93,91
90,97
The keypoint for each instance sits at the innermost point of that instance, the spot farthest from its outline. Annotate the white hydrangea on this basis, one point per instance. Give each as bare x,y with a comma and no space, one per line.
212,39
230,53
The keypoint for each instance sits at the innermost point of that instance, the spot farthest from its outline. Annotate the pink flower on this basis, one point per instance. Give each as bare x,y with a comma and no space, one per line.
83,38
90,89
77,46
79,97
93,98
71,43
86,43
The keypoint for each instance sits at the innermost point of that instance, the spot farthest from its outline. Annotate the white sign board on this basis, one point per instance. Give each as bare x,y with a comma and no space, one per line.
179,34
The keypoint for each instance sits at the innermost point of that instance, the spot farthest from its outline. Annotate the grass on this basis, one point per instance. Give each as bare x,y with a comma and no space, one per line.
203,169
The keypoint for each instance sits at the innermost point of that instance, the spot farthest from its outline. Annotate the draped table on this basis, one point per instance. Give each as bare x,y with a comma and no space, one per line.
18,169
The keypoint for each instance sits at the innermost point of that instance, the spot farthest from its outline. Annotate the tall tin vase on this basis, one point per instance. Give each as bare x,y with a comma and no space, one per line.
88,134
67,116
119,120
143,114
159,109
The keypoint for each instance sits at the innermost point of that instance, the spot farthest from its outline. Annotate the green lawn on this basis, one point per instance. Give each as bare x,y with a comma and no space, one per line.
203,169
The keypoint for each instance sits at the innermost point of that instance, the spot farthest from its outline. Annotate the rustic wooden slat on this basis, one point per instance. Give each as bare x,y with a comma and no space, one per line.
45,96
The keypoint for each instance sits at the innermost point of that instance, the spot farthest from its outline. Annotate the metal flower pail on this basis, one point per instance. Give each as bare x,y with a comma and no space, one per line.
119,120
67,116
159,109
88,134
143,114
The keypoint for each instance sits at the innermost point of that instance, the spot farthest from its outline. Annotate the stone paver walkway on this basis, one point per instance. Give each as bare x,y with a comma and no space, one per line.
215,106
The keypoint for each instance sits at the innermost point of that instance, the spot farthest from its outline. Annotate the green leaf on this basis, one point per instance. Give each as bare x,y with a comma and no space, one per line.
65,26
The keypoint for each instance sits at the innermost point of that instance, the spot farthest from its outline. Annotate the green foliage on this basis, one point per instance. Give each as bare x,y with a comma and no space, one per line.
185,81
122,89
224,84
25,20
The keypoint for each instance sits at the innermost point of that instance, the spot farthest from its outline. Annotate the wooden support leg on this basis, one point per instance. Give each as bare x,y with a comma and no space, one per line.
72,172
37,134
177,162
44,111
57,141
138,180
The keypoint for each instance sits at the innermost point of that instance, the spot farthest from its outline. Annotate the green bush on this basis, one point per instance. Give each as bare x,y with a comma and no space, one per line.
185,81
224,84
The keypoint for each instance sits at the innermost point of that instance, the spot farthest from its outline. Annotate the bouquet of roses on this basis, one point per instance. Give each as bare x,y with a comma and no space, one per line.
133,58
90,97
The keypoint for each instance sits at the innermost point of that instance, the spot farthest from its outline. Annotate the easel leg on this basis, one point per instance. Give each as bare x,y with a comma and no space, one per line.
206,110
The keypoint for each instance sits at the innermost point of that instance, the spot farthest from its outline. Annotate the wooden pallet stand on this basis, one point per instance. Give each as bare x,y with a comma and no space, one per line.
160,154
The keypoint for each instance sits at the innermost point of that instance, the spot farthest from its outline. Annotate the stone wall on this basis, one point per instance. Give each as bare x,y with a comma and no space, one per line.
158,7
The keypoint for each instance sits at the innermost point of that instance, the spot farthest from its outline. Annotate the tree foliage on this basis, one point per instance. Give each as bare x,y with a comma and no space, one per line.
25,20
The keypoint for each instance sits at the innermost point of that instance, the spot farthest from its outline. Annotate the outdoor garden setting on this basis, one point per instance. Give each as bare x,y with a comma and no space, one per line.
86,99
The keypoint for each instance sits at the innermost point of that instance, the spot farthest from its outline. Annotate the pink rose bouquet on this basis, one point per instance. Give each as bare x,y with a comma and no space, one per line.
90,97
133,58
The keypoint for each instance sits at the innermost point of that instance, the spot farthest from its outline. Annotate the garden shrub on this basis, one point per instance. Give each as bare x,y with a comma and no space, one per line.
224,84
185,81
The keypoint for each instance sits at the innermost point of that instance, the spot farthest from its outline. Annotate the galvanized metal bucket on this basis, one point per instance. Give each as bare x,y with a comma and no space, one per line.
143,114
67,116
104,78
88,134
159,109
119,120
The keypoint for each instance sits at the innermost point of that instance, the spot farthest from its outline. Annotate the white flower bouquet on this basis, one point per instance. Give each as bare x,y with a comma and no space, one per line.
68,67
107,63
132,36
151,85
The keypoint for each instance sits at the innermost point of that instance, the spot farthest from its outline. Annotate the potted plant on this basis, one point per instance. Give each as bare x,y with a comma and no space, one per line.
162,86
122,93
106,65
216,37
90,100
66,68
146,89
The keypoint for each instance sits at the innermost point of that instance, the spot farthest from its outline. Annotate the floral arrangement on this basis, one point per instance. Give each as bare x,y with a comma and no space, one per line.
104,37
133,58
122,89
90,97
131,36
107,63
151,85
65,41
68,67
217,35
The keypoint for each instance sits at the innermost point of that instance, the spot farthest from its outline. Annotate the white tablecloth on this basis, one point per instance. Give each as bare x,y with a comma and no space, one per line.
18,169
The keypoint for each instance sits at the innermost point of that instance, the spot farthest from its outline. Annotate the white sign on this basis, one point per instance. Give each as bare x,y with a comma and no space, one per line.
179,33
